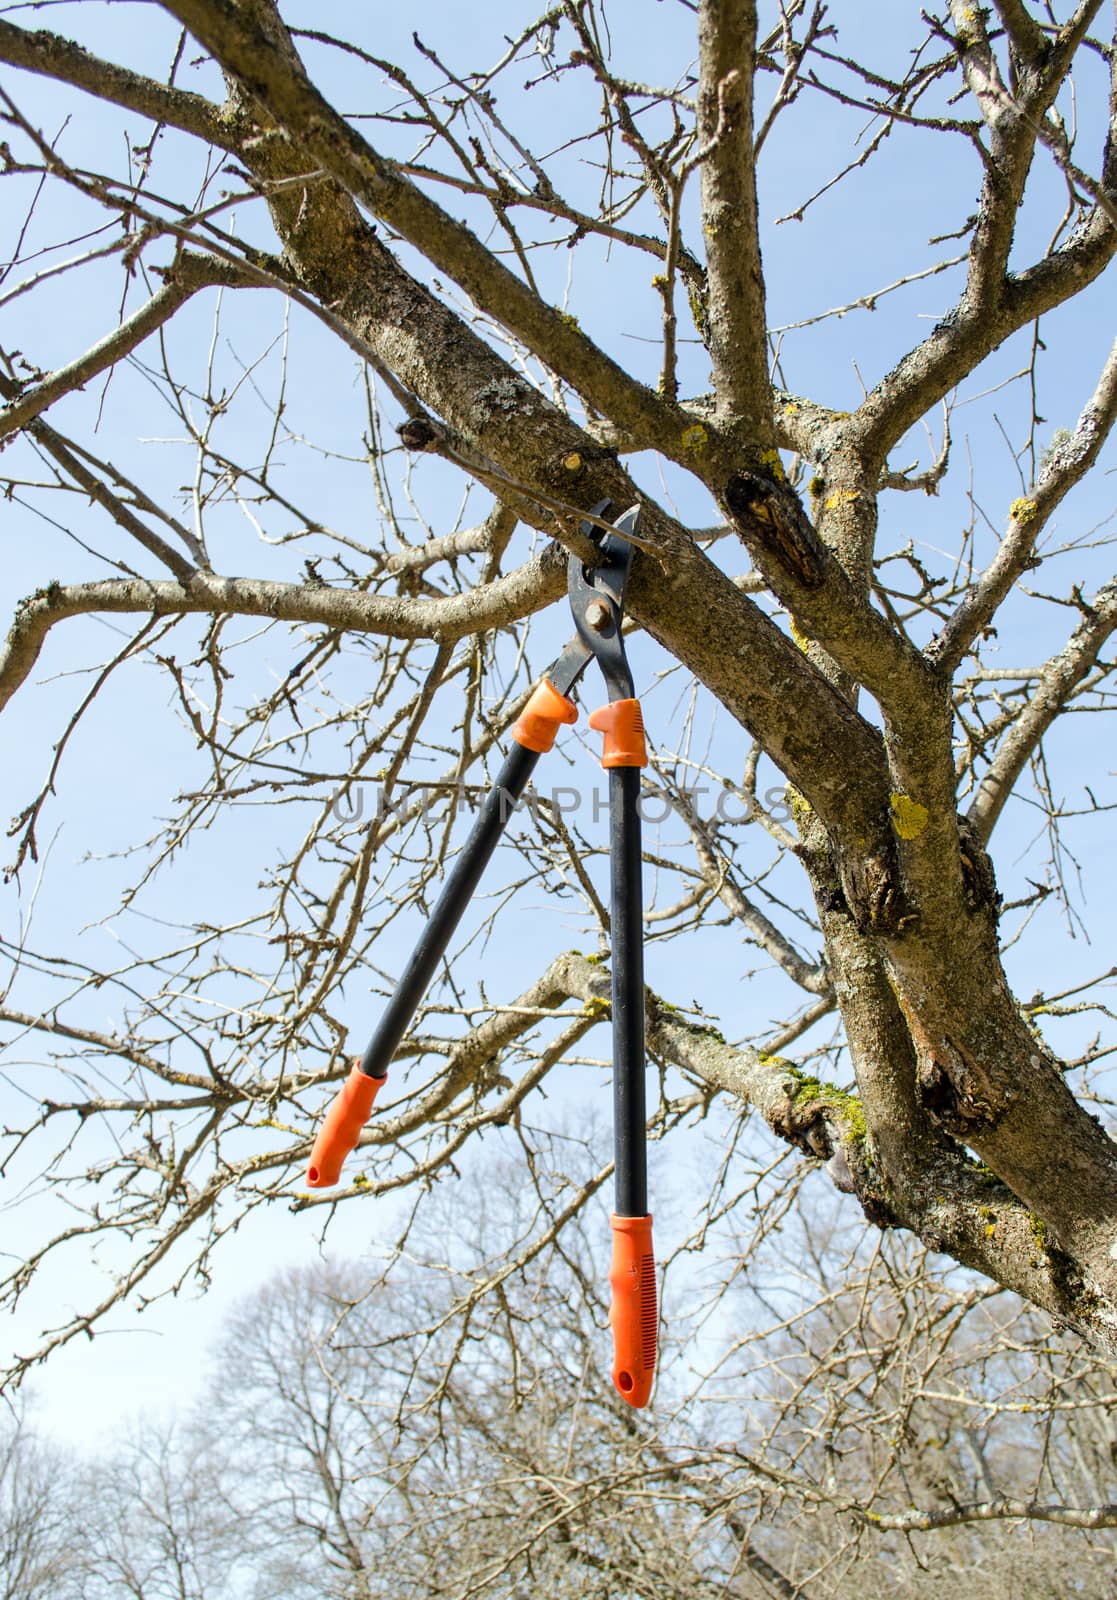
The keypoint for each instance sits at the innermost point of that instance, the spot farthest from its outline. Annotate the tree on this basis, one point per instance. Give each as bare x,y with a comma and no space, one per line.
157,1520
424,236
360,1440
37,1556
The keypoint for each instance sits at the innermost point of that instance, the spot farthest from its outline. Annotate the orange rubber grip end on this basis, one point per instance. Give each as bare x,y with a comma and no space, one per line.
622,723
542,717
340,1131
633,1314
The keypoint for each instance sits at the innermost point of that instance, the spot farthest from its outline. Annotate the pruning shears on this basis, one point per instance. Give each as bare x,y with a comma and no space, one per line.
596,594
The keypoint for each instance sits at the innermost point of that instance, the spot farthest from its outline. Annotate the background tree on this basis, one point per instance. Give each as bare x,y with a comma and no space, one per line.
37,1555
354,1444
485,267
155,1519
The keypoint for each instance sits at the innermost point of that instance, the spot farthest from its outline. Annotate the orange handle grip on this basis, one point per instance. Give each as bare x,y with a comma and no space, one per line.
622,723
543,716
633,1314
342,1128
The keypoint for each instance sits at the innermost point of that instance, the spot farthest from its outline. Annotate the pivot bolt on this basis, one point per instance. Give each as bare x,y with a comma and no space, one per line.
598,616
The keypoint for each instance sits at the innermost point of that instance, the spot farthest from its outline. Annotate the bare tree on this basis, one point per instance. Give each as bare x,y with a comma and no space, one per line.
409,1433
445,1428
418,1434
38,1558
155,1519
412,222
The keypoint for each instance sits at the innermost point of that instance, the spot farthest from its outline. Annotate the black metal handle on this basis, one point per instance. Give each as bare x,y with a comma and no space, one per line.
457,891
629,1103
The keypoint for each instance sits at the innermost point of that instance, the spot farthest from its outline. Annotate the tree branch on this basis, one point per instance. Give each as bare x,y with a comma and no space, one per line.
1066,467
57,447
531,587
730,225
1001,1509
189,274
965,337
813,583
276,78
1061,675
995,304
52,56
1026,35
